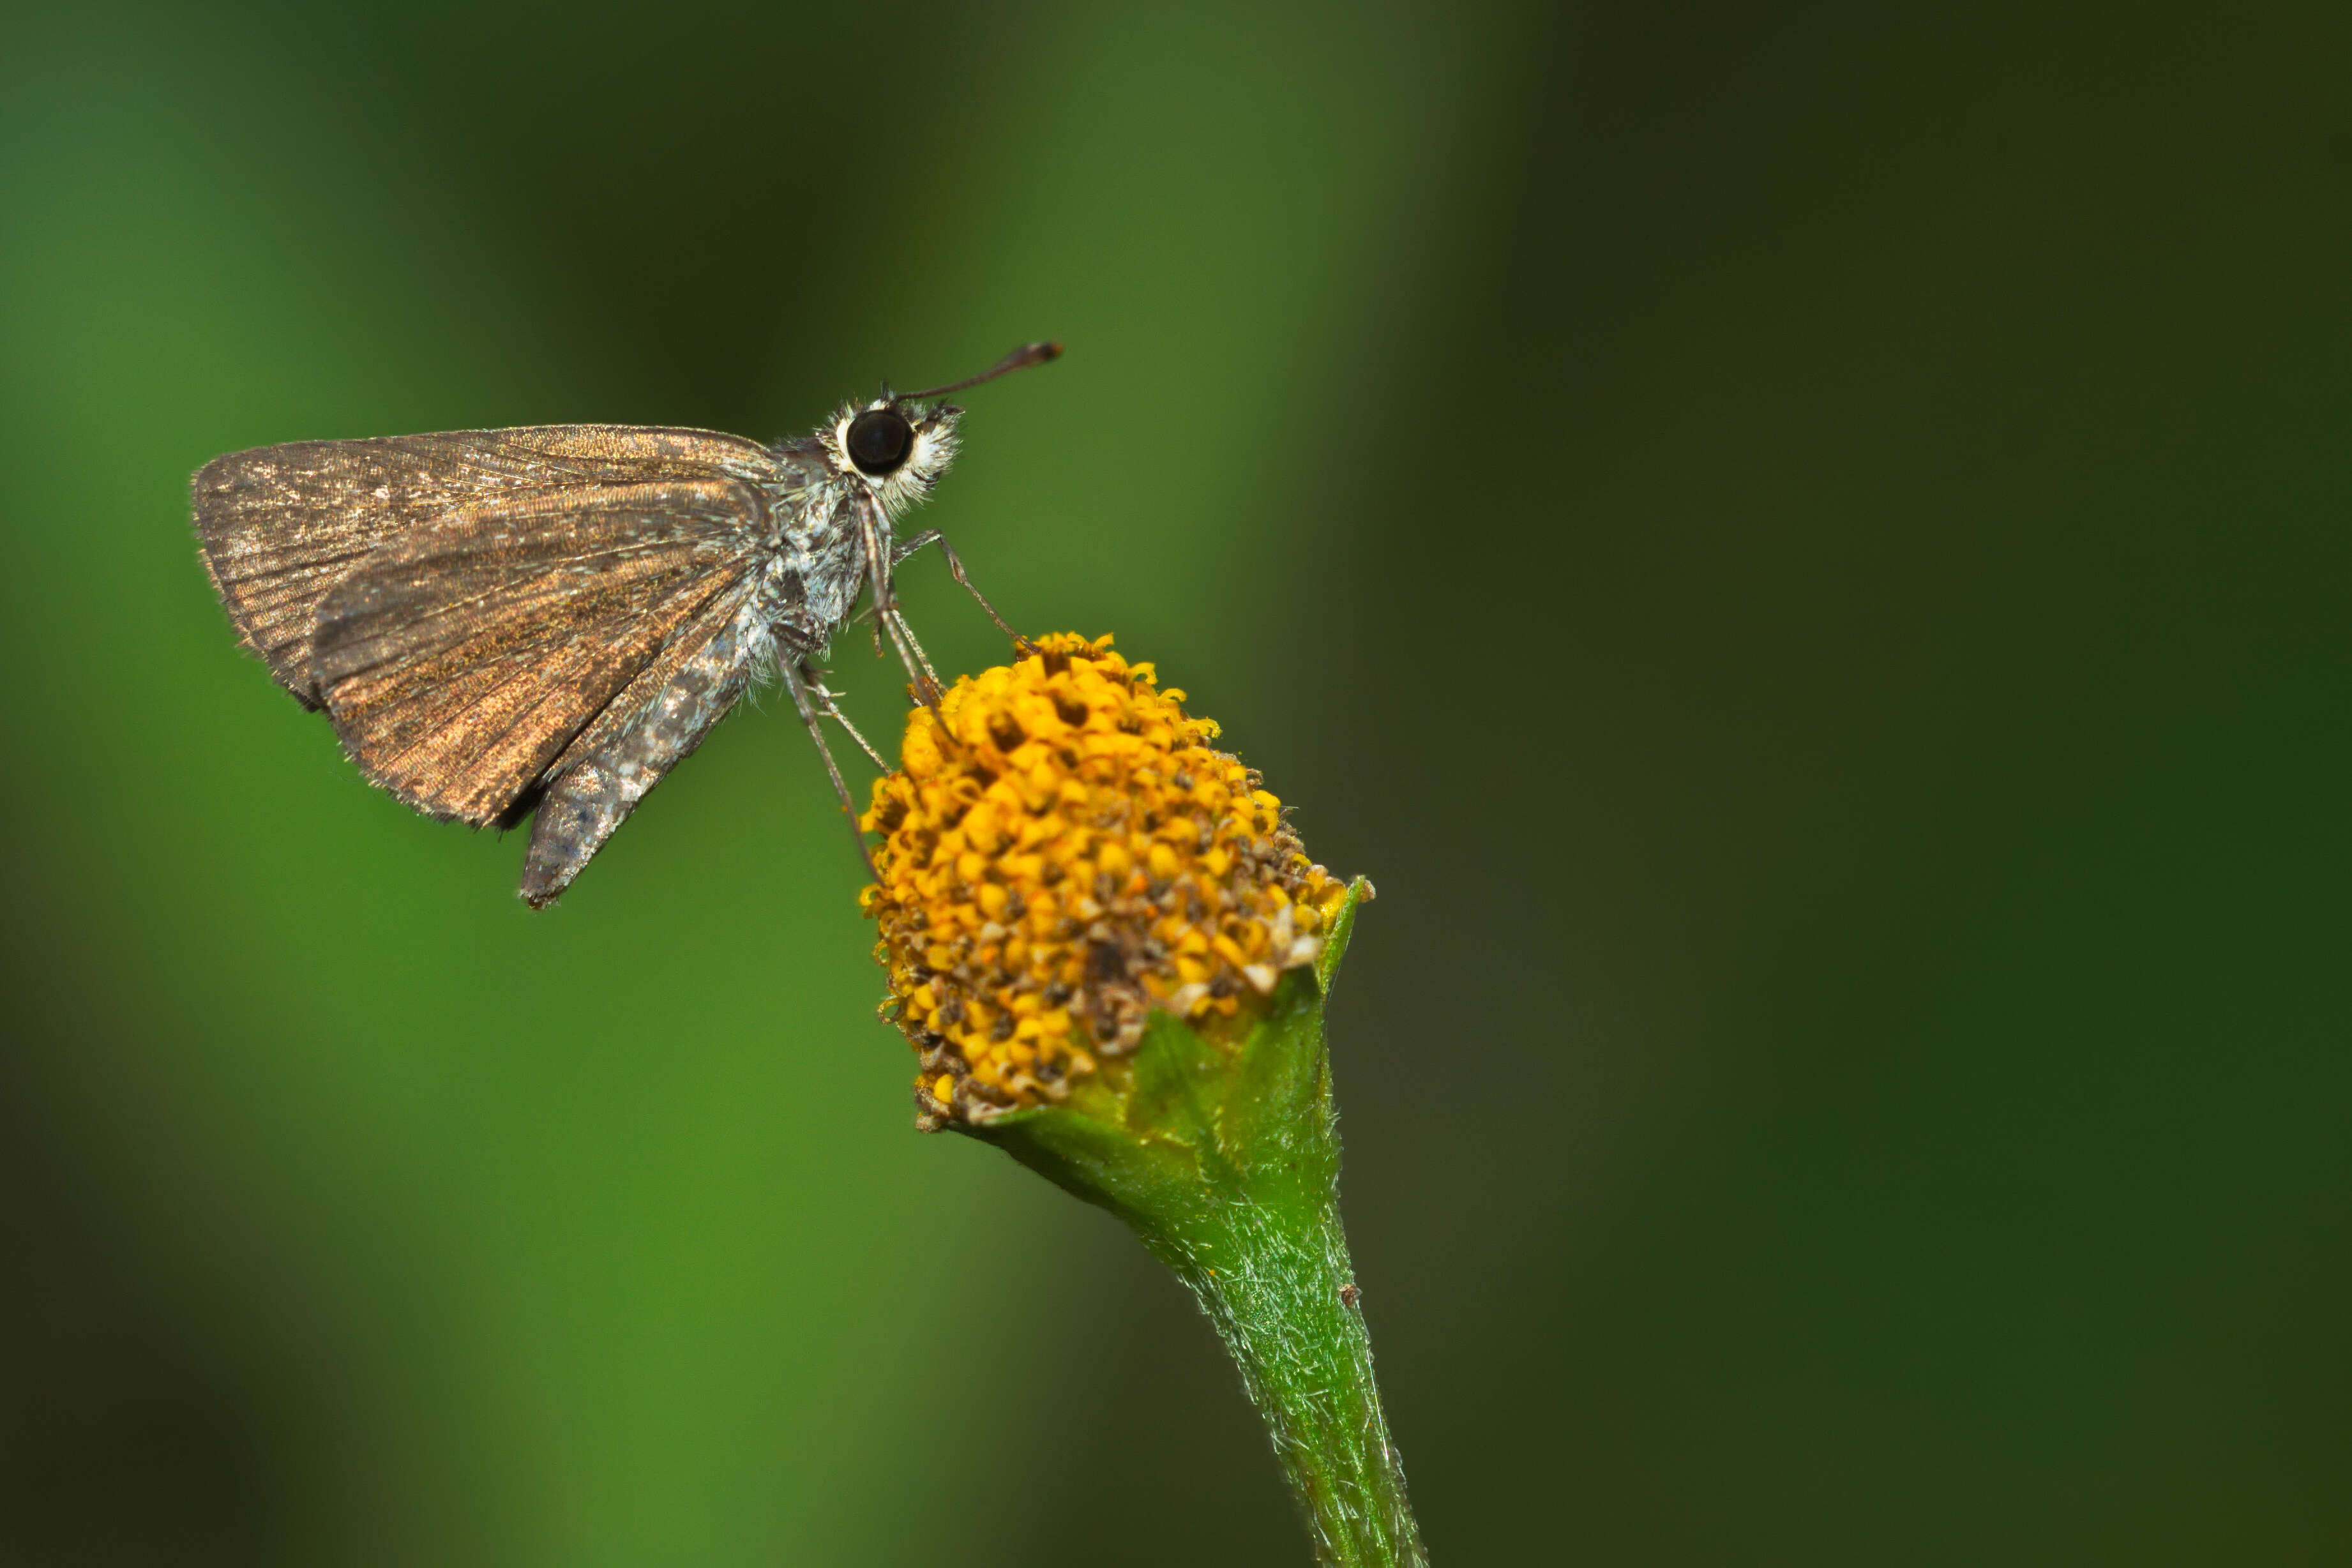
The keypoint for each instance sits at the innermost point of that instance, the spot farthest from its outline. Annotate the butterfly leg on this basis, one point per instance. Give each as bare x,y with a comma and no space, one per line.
955,570
831,708
886,607
926,679
797,681
908,631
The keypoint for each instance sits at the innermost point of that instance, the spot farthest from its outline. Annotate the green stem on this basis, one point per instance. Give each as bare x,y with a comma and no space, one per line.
1269,1265
1224,1159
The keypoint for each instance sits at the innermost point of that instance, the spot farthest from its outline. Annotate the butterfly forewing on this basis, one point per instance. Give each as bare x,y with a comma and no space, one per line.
458,663
281,526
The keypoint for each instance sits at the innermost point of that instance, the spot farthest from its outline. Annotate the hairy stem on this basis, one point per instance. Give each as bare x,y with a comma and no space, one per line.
1270,1268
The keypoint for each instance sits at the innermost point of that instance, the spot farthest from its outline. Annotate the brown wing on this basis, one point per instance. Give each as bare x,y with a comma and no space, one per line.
602,776
459,662
280,526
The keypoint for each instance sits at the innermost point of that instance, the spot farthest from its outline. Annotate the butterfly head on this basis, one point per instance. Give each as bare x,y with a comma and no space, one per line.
897,446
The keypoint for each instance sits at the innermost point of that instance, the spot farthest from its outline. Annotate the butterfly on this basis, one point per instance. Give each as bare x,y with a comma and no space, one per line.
541,622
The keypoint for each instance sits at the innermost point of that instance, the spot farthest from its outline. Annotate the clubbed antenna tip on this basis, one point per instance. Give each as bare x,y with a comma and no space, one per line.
1021,358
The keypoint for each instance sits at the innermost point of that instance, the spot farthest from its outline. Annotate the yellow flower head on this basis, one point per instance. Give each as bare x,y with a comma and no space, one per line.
1062,852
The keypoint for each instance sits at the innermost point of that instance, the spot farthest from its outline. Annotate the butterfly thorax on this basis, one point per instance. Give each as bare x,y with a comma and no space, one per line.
810,584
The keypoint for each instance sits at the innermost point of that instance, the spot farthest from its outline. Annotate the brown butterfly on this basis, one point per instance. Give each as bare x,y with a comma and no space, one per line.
547,620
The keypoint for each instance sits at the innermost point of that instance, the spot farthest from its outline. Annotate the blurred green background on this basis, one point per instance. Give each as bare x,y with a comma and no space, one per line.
1802,546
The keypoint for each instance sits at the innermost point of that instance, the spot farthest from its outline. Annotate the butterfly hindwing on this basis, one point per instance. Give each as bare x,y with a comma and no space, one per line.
460,662
602,776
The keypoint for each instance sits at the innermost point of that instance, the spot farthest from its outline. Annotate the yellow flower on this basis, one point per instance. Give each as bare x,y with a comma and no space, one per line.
1062,852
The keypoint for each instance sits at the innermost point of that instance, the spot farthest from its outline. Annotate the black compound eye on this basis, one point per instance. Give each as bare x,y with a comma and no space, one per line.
880,440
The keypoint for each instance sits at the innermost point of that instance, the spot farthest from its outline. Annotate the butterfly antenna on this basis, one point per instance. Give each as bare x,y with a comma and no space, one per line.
1021,358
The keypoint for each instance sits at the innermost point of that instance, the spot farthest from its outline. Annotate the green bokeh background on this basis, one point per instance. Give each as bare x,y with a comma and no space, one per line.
1802,546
